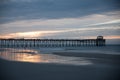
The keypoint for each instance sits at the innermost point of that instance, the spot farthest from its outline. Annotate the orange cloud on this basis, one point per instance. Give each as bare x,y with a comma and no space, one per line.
35,34
105,37
112,37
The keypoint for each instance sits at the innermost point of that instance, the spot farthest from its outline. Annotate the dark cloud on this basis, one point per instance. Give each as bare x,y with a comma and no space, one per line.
35,9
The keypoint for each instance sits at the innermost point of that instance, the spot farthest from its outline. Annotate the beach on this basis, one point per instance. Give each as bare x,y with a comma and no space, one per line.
94,57
100,67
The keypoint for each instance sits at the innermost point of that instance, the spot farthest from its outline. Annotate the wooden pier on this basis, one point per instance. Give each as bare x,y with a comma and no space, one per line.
51,42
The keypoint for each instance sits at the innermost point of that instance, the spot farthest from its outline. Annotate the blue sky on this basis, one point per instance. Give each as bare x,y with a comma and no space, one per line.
59,18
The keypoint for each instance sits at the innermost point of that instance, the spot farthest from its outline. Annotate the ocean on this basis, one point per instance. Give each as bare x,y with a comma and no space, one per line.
45,55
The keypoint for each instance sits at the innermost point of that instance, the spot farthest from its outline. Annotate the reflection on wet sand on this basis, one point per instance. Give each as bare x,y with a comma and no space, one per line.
26,55
22,55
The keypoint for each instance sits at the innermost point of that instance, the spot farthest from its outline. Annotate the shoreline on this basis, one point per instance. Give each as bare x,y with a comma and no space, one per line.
94,57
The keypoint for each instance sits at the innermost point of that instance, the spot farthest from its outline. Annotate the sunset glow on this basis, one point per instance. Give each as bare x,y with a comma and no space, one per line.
36,34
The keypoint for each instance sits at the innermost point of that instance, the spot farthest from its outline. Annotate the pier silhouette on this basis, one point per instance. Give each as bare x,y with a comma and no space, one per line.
99,41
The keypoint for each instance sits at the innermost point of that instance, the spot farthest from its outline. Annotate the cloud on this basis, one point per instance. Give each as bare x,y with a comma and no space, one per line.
59,18
82,27
53,9
105,23
22,0
70,33
91,21
8,1
34,34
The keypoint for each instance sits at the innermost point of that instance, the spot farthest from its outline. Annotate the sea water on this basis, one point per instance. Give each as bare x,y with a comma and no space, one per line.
45,55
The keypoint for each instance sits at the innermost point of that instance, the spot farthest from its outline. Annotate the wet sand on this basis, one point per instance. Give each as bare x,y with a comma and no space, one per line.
104,67
94,57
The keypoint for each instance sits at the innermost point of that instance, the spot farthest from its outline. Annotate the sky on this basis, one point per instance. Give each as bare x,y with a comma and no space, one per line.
61,19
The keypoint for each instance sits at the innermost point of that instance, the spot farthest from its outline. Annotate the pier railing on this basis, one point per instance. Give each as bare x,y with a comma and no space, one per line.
51,42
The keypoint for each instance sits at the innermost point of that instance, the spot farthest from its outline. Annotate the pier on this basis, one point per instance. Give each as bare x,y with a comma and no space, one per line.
99,41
